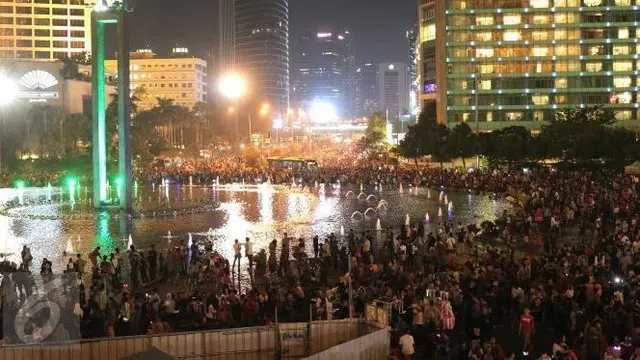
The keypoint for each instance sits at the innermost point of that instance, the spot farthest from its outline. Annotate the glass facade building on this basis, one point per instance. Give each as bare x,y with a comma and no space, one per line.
262,49
522,60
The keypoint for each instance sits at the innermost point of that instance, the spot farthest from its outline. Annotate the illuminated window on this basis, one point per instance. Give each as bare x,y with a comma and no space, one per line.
539,35
561,99
483,36
514,116
511,35
540,51
486,69
539,3
565,18
511,19
484,85
541,19
489,116
622,81
484,20
561,83
540,99
428,32
593,66
622,66
560,50
592,3
621,50
559,34
595,50
623,2
623,114
623,33
484,52
538,116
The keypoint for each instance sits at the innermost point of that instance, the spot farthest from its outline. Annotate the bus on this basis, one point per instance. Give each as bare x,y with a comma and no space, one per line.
292,163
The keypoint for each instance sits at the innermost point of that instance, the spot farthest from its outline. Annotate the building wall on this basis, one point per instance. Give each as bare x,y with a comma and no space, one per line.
182,79
325,70
393,89
225,58
366,90
44,29
529,58
262,49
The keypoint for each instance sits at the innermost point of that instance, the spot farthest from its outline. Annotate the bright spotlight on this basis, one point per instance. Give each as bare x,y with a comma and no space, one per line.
232,86
323,112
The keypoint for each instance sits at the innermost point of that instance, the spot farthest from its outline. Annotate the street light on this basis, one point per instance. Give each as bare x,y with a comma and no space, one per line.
8,92
232,86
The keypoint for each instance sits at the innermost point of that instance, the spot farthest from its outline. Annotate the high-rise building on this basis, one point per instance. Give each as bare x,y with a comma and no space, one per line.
429,50
326,63
262,49
179,77
519,62
393,90
366,89
412,64
226,55
44,29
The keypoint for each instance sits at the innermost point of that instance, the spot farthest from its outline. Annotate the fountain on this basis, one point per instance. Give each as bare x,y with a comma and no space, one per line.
349,194
369,210
407,220
362,196
361,187
190,181
356,214
217,181
130,242
243,182
315,184
426,218
450,206
401,191
378,225
371,197
441,196
380,187
341,231
48,192
446,199
169,237
69,250
190,241
439,212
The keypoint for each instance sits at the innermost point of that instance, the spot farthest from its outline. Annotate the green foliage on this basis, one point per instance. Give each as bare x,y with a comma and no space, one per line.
376,132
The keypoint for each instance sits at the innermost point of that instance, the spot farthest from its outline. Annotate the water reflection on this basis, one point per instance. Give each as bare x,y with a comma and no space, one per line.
262,213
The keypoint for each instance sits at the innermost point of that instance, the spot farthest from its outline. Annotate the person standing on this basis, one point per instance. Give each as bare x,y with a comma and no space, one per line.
407,345
237,255
527,327
248,252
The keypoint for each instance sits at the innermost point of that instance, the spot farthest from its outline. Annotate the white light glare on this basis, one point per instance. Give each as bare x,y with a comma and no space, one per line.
322,113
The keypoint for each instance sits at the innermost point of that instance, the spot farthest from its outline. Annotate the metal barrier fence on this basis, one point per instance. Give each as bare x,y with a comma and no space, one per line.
286,340
374,346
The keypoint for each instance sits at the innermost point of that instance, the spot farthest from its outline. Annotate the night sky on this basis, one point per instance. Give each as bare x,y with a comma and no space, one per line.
378,26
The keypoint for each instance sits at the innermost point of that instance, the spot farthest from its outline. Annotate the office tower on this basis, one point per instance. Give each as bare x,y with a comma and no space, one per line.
225,57
366,89
429,50
412,64
44,29
393,90
325,73
519,62
262,49
180,77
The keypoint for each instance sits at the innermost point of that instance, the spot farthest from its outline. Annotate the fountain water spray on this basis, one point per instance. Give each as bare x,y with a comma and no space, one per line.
426,218
69,248
190,241
441,196
401,191
130,242
446,199
378,225
450,206
407,220
217,181
342,230
439,212
361,187
190,181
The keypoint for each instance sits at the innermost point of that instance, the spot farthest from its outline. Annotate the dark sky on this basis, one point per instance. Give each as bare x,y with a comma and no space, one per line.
378,26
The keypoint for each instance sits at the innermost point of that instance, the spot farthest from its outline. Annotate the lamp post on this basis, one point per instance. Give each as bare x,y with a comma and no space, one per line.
477,88
8,91
232,86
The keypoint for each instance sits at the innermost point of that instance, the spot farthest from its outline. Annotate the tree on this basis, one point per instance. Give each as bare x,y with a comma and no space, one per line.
461,143
512,144
427,137
376,132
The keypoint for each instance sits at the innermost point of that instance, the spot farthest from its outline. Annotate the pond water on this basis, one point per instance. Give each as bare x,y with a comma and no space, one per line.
261,212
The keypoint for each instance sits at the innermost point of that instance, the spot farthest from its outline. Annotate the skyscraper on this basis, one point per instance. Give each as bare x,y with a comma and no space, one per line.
226,55
326,63
366,90
45,29
393,90
412,63
262,49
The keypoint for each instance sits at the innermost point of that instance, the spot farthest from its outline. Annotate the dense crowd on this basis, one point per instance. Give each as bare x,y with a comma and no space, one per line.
558,276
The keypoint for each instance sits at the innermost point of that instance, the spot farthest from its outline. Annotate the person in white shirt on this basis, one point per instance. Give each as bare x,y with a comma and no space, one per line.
407,345
237,254
248,252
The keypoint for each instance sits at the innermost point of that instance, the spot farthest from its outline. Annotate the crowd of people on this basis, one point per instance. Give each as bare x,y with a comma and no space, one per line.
559,276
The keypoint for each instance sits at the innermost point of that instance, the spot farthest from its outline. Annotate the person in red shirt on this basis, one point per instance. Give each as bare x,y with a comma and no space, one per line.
527,327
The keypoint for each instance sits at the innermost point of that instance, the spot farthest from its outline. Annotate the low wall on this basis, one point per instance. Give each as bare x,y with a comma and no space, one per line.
295,341
374,346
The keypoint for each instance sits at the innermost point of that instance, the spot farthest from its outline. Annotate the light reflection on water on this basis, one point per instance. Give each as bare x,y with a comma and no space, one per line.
263,214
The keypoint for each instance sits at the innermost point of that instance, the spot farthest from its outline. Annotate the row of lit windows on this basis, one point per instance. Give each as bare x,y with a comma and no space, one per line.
42,10
521,67
512,19
41,32
41,43
53,2
535,4
136,67
557,83
591,35
540,98
41,22
538,115
28,54
538,50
